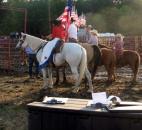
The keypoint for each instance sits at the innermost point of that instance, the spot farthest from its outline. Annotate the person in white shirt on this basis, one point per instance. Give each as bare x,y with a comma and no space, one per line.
72,32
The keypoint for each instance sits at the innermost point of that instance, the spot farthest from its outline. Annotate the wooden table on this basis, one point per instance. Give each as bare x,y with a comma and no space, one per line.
74,115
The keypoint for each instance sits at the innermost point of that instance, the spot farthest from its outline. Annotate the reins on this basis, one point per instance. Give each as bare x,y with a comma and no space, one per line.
41,47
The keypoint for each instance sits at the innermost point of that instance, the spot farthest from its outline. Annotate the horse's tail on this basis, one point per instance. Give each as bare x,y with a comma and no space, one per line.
97,57
83,65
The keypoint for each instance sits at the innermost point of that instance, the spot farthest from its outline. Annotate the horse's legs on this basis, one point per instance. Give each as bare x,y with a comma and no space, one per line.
113,74
108,72
45,84
64,75
76,76
50,79
57,76
88,76
135,71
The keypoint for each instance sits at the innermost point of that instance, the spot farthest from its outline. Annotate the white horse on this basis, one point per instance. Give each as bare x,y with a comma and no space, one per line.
72,53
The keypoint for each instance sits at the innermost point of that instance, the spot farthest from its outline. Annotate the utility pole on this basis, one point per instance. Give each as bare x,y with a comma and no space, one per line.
25,20
49,15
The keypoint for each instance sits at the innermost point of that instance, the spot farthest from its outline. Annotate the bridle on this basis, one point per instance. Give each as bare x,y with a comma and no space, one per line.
35,50
22,40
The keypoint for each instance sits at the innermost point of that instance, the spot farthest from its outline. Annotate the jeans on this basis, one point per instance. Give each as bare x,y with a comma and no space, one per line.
33,61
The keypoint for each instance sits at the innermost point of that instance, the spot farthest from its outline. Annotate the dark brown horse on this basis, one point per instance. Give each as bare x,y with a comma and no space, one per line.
129,57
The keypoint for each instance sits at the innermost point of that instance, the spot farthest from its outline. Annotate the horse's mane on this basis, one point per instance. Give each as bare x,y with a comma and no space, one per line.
104,46
34,37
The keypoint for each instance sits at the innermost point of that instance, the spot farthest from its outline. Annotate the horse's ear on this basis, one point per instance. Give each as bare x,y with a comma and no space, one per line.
19,35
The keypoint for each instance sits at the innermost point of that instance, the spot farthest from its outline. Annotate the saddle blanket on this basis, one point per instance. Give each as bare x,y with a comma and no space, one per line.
47,54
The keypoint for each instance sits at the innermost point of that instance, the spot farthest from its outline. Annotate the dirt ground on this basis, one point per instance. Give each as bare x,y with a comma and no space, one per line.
16,91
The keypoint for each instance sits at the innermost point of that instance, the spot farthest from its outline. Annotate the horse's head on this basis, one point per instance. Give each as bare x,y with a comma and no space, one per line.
22,41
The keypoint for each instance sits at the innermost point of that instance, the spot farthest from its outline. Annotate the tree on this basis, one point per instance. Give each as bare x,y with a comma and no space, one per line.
102,14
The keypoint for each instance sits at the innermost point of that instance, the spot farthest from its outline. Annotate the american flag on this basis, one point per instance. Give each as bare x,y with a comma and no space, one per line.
71,12
74,15
82,19
65,16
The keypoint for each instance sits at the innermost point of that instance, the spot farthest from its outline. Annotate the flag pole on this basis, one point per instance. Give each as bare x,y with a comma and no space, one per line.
49,15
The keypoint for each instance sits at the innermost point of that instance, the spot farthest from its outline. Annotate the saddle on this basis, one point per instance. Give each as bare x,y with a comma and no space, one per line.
57,49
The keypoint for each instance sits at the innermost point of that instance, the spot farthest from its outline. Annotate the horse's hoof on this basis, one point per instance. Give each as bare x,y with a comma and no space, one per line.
133,82
90,91
44,88
56,83
50,86
64,82
75,89
109,81
47,86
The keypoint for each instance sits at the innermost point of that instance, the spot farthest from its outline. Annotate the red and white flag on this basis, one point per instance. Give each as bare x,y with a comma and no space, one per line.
65,18
82,19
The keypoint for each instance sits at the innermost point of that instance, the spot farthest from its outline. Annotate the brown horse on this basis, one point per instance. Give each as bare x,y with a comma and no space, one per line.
129,57
108,59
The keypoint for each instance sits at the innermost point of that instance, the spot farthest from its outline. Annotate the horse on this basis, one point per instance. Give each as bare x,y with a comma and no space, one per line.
128,58
108,58
72,53
102,56
93,60
97,57
93,57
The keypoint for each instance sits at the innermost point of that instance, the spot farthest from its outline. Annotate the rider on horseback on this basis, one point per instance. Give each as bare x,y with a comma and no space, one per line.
58,31
118,46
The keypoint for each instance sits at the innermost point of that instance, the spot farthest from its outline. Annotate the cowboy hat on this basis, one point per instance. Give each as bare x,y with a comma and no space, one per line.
90,26
119,35
95,32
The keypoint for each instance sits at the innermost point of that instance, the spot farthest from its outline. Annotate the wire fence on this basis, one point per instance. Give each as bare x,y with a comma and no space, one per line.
15,60
10,58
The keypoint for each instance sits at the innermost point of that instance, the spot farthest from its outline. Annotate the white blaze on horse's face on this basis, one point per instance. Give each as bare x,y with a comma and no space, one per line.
22,42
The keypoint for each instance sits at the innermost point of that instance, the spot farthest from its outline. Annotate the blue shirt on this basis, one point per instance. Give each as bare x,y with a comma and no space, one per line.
28,50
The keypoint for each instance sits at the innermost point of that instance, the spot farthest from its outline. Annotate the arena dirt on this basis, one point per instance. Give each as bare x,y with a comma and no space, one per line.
17,91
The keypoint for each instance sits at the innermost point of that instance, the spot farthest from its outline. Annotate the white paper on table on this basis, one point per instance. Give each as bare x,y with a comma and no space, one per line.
46,99
100,97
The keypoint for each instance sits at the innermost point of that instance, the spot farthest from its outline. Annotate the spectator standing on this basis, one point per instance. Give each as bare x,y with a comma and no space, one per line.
88,33
32,60
81,35
93,37
72,32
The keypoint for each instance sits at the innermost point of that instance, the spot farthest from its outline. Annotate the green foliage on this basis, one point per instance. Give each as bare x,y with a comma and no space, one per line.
102,14
11,22
125,18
